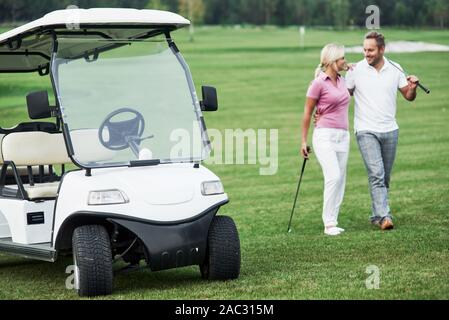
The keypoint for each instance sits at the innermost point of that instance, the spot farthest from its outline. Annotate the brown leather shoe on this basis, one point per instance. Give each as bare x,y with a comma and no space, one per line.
386,224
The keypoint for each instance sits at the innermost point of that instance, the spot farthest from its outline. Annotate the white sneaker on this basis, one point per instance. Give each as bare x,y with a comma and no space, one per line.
332,231
340,229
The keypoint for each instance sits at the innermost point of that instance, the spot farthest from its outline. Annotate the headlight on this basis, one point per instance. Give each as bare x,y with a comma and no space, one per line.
209,188
102,197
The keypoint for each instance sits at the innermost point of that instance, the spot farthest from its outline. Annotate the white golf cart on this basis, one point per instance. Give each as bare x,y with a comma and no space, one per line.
127,115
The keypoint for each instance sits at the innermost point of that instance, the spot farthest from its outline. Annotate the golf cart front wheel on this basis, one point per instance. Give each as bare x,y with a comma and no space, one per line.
93,261
222,260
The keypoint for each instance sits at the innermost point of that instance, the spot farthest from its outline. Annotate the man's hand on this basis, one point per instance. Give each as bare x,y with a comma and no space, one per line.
412,82
409,91
350,66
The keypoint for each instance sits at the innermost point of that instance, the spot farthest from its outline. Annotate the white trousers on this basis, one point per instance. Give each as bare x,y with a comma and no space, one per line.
331,148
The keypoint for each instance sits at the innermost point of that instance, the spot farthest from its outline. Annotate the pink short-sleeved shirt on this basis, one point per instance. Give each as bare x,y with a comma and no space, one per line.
332,101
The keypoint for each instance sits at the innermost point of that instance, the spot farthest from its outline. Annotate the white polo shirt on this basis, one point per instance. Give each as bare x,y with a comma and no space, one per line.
375,95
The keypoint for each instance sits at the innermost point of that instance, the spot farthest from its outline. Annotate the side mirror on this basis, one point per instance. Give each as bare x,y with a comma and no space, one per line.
38,105
210,100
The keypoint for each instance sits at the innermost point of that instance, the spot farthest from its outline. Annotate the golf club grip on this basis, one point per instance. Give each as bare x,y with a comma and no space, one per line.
424,88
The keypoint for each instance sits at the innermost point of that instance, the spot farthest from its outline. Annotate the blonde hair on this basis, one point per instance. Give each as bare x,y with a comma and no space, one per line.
329,54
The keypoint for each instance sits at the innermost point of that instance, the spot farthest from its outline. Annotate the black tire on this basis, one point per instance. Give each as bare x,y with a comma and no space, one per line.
222,260
93,261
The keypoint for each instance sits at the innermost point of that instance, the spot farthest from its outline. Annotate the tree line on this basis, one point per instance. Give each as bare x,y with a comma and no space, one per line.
337,13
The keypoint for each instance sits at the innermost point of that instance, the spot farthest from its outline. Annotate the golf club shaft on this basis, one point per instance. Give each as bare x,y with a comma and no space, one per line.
297,192
419,84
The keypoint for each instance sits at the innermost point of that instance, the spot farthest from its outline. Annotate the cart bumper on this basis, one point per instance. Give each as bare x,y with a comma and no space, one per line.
176,244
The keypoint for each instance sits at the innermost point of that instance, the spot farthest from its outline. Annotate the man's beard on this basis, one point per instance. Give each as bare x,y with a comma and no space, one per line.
376,62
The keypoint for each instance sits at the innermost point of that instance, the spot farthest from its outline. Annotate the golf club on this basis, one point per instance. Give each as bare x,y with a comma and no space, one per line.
297,191
419,84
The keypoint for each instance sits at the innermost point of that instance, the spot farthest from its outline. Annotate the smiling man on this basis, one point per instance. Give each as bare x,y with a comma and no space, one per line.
374,82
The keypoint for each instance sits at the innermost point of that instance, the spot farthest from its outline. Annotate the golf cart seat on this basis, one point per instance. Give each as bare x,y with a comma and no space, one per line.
23,171
36,149
47,190
38,108
44,149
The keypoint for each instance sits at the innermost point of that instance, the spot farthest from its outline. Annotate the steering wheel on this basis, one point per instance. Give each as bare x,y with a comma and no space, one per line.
122,133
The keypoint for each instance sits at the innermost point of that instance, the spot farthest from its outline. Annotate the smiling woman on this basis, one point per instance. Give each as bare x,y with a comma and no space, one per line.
329,95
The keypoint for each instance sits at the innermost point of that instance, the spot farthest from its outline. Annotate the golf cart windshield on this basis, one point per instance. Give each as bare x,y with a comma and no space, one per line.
127,101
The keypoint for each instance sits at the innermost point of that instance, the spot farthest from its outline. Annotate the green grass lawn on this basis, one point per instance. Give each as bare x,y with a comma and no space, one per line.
262,77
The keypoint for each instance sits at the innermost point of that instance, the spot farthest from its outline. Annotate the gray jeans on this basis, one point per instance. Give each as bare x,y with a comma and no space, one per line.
378,152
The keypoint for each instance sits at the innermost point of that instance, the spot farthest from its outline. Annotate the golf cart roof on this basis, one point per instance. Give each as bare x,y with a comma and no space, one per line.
28,48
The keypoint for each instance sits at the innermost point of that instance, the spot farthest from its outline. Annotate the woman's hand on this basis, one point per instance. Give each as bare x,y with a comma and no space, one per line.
305,150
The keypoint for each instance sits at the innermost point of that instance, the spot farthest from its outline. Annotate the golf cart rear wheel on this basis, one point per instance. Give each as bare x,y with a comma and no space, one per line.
93,261
222,260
